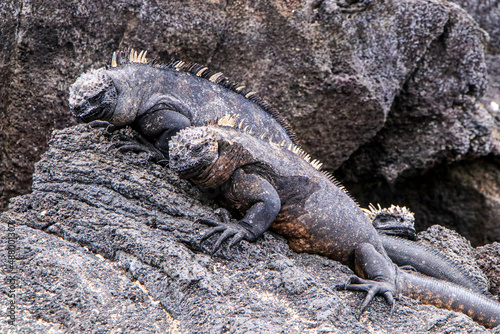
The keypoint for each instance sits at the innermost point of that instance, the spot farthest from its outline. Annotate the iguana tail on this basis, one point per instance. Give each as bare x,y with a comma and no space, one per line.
430,262
450,296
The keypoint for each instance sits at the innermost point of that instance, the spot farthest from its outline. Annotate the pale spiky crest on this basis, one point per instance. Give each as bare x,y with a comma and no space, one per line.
133,57
200,72
113,60
216,76
248,130
301,153
179,65
373,211
317,164
228,120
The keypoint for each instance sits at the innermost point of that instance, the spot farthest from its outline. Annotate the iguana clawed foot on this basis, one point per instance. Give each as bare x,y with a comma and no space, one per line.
372,288
229,230
139,144
110,128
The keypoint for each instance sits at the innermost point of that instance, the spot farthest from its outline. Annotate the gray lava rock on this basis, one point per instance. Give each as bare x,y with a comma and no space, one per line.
456,248
488,258
107,243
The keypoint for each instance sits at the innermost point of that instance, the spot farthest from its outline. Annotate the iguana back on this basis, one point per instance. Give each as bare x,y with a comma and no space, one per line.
159,100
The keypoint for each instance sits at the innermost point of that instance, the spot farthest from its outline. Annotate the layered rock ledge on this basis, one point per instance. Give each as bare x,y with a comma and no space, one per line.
107,243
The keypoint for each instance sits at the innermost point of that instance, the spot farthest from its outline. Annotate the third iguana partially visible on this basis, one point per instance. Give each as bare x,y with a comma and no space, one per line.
395,226
271,186
159,100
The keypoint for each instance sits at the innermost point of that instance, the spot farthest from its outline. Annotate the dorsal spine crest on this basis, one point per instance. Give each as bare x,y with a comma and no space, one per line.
127,57
402,211
228,120
200,72
215,78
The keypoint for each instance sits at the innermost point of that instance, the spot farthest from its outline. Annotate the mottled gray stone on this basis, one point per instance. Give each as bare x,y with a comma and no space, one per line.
488,258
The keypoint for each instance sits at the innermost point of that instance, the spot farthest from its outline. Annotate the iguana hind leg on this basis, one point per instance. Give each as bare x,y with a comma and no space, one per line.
376,275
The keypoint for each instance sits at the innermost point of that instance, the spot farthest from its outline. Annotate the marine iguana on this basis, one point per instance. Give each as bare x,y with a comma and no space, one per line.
278,187
158,100
395,225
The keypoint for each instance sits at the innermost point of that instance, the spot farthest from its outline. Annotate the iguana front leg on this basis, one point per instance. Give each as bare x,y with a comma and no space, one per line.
128,144
160,125
138,144
256,196
157,128
110,128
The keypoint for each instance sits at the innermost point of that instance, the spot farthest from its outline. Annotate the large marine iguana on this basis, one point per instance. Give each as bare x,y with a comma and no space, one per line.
277,187
158,100
395,226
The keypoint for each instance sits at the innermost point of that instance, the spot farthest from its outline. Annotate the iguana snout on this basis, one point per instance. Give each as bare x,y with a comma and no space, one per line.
93,96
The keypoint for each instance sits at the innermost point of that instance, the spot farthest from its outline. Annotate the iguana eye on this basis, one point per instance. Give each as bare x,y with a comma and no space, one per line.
161,106
197,150
383,219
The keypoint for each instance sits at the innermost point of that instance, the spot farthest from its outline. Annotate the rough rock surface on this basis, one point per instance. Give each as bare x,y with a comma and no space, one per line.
435,121
488,258
350,72
465,195
105,245
455,247
487,15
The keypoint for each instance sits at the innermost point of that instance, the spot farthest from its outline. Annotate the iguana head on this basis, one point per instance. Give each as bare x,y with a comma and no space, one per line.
193,150
395,220
93,96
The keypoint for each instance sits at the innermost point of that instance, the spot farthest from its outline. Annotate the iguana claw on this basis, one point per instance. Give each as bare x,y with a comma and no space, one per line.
139,144
110,128
233,231
372,288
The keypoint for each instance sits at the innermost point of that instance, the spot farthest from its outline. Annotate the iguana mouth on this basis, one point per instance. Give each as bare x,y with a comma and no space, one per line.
408,232
187,170
97,112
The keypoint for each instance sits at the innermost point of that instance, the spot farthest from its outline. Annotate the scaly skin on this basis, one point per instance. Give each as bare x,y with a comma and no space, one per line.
273,187
397,224
430,262
159,100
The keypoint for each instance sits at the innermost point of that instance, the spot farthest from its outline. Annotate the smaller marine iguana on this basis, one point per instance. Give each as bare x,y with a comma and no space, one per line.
280,188
159,100
395,225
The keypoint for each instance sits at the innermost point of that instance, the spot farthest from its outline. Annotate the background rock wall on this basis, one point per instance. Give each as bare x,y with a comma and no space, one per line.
385,94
